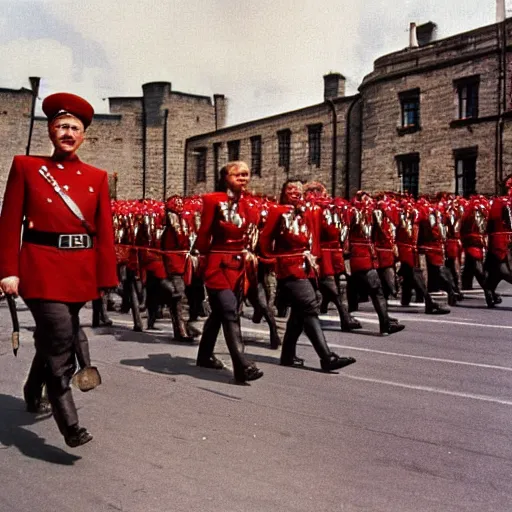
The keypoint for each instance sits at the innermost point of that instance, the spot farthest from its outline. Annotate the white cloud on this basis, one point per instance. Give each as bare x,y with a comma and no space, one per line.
265,56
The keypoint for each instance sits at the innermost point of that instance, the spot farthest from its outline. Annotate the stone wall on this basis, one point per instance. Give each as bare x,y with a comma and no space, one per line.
15,108
272,175
432,70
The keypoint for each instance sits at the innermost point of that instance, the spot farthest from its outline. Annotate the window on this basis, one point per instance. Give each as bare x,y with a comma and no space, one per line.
233,150
200,154
465,171
408,172
467,97
256,155
314,140
216,167
284,144
410,111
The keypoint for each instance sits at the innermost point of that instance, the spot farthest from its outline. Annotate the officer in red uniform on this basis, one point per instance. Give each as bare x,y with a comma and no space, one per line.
431,242
333,243
176,242
499,230
473,235
222,239
66,256
292,236
364,262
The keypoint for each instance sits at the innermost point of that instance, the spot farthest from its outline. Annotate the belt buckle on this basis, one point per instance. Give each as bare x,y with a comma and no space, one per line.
74,242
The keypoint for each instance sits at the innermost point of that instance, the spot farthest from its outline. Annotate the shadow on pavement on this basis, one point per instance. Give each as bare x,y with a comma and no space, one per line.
13,419
175,365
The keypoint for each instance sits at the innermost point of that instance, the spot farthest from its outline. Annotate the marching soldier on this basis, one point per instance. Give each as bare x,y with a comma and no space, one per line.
292,236
499,230
222,239
364,262
177,239
67,253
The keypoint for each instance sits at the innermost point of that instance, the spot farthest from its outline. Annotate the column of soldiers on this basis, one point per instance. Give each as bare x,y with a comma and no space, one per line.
372,246
57,224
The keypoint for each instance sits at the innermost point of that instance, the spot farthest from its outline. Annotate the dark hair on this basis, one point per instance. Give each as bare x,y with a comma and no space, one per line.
285,184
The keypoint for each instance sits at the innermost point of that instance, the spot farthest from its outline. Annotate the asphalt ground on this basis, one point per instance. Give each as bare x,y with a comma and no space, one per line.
422,422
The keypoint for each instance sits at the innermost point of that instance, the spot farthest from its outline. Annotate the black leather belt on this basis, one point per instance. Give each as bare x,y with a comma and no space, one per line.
59,240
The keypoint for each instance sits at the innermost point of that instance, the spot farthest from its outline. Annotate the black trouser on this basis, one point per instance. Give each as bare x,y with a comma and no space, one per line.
497,270
225,305
475,268
371,283
451,265
413,278
443,280
387,278
195,298
303,298
99,311
334,289
56,335
259,300
171,292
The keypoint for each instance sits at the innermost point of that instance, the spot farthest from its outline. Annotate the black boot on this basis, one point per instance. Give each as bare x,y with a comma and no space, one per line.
329,361
178,323
77,436
291,336
433,308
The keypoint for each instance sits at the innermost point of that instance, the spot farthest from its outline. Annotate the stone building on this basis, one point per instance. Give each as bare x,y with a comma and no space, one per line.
435,116
320,142
139,139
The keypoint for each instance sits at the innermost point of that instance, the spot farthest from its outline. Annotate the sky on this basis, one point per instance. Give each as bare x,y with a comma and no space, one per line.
265,56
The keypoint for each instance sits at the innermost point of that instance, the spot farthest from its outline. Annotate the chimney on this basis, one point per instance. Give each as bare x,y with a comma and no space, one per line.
413,40
334,86
500,11
426,33
220,104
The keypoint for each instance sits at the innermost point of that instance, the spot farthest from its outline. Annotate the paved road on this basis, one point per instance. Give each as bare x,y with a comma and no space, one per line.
422,422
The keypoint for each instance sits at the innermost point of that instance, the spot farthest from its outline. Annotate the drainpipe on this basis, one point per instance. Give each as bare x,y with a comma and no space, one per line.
504,105
34,85
347,148
144,126
332,107
166,117
185,173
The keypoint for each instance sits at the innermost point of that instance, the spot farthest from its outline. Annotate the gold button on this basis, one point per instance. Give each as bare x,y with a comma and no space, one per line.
48,199
91,189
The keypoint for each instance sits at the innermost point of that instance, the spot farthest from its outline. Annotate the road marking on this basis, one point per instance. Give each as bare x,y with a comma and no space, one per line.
425,320
426,358
430,389
361,349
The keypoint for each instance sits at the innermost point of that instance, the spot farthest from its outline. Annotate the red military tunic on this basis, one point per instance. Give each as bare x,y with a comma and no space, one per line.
45,272
222,239
363,256
333,237
431,239
499,227
292,236
176,241
472,231
453,244
407,238
384,239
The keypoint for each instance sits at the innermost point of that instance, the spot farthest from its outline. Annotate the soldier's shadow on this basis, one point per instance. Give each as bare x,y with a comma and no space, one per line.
13,434
173,366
